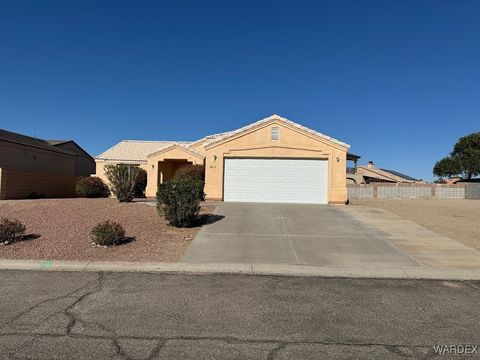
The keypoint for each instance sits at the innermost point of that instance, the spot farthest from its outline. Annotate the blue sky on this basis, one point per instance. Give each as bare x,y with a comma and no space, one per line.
398,80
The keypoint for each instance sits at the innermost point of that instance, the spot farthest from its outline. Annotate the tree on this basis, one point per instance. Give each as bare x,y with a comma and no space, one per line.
447,167
140,183
463,161
122,179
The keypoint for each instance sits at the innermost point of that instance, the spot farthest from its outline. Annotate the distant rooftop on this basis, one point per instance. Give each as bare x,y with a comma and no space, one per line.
396,173
16,138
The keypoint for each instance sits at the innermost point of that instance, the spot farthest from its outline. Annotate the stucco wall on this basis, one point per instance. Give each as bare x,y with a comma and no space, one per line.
199,147
292,143
16,184
153,161
25,158
84,164
3,187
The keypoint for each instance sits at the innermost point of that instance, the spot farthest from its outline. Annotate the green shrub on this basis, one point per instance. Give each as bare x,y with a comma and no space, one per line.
193,171
11,230
140,183
179,200
34,195
92,187
122,179
108,234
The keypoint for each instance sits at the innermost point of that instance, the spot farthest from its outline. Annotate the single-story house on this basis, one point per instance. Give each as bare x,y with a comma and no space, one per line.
271,160
32,167
370,174
84,162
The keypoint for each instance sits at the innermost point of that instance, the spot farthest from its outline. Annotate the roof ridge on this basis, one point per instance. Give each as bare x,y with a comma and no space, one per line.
281,118
156,141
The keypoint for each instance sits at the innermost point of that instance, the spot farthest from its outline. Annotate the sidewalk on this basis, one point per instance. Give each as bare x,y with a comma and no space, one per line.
251,269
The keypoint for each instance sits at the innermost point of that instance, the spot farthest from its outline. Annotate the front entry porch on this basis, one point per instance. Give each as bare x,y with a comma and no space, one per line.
168,167
162,165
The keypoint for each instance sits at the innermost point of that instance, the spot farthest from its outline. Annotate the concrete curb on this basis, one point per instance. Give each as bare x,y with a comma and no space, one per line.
251,269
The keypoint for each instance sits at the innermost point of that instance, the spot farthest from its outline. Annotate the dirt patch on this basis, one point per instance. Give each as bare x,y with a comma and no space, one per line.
64,226
456,219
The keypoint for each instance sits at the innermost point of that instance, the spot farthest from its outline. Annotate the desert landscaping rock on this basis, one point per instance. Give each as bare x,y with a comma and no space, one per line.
64,226
456,219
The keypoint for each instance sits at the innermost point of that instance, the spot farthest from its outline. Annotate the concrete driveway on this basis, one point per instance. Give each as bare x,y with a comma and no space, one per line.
292,234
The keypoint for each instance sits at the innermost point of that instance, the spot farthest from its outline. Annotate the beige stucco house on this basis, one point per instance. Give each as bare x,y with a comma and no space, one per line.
34,167
271,160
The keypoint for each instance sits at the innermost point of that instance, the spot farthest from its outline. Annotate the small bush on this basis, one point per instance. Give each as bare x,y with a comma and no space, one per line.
140,183
108,234
179,200
194,171
11,230
34,195
122,179
92,187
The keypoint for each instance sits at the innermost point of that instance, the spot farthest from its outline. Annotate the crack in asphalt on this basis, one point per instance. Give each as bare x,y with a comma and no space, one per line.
474,285
46,301
68,310
274,352
280,345
156,350
74,319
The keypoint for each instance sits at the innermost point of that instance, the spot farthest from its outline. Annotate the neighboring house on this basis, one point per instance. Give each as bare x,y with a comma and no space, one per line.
271,160
84,163
370,173
452,180
34,167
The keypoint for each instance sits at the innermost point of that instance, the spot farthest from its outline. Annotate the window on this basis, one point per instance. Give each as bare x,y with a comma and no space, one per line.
275,133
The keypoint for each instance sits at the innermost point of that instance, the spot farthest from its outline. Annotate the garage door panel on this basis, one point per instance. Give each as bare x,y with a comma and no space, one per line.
276,180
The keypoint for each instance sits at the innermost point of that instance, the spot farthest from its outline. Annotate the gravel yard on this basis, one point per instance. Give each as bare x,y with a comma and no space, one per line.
456,219
64,226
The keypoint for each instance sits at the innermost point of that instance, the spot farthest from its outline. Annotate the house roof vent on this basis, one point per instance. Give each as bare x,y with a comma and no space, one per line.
275,133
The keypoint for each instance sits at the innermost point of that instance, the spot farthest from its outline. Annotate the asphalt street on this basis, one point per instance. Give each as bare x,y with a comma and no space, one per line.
70,315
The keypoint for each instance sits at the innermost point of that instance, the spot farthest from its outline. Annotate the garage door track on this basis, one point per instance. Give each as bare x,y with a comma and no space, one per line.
292,234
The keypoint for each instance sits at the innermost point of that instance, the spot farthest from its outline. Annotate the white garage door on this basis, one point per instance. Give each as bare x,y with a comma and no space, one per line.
276,180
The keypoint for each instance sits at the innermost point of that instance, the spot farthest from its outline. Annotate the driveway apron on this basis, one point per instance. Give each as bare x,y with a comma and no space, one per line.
292,234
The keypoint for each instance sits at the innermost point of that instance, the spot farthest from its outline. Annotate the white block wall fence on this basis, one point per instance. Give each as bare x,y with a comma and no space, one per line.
411,191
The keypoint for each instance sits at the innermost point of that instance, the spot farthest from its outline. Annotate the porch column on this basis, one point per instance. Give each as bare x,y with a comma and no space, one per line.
152,179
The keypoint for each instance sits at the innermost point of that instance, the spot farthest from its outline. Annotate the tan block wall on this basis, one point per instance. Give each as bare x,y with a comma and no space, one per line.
16,184
3,187
26,158
292,143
